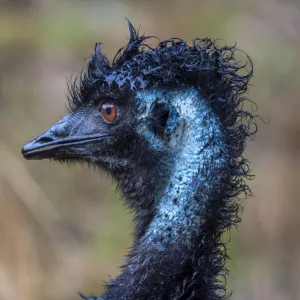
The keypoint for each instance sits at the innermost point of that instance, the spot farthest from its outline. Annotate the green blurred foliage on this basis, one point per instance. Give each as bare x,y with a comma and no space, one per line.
63,229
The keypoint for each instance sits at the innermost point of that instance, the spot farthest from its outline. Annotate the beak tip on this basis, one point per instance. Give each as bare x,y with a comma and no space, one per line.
28,150
25,150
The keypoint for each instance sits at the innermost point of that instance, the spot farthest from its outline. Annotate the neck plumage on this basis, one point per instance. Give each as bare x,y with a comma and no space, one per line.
179,254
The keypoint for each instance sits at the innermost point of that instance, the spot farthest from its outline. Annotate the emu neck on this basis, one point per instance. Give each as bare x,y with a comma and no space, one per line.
180,212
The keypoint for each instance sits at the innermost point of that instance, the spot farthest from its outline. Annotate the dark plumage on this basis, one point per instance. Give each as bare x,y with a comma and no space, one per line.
175,148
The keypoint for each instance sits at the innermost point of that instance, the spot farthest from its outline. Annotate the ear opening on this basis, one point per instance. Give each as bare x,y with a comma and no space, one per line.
162,114
163,118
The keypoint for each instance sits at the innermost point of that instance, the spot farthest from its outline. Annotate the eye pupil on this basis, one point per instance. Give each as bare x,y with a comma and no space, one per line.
108,111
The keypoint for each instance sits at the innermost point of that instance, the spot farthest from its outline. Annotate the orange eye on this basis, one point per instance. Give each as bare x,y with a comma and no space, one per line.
109,112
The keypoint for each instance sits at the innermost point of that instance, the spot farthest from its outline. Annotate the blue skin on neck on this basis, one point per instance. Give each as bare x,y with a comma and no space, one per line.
196,151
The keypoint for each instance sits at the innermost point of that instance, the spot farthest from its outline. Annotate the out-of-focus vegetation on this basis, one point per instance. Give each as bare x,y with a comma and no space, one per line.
63,230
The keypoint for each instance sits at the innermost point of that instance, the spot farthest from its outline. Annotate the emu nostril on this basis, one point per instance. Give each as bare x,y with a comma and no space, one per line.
45,139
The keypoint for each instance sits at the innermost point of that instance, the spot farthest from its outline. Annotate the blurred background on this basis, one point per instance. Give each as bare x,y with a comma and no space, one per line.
64,230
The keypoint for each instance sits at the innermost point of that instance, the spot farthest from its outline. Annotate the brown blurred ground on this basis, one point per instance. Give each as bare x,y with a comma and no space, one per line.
63,230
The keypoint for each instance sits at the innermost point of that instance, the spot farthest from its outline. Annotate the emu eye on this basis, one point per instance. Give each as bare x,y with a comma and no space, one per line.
109,112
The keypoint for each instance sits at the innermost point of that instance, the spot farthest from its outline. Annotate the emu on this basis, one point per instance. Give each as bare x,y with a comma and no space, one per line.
168,124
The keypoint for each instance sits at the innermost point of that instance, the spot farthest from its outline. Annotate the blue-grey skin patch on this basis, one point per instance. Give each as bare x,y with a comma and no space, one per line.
196,151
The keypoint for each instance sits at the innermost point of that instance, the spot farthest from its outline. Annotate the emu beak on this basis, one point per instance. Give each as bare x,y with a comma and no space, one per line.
62,140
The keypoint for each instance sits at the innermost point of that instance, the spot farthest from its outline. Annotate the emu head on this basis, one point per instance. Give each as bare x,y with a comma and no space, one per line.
133,117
